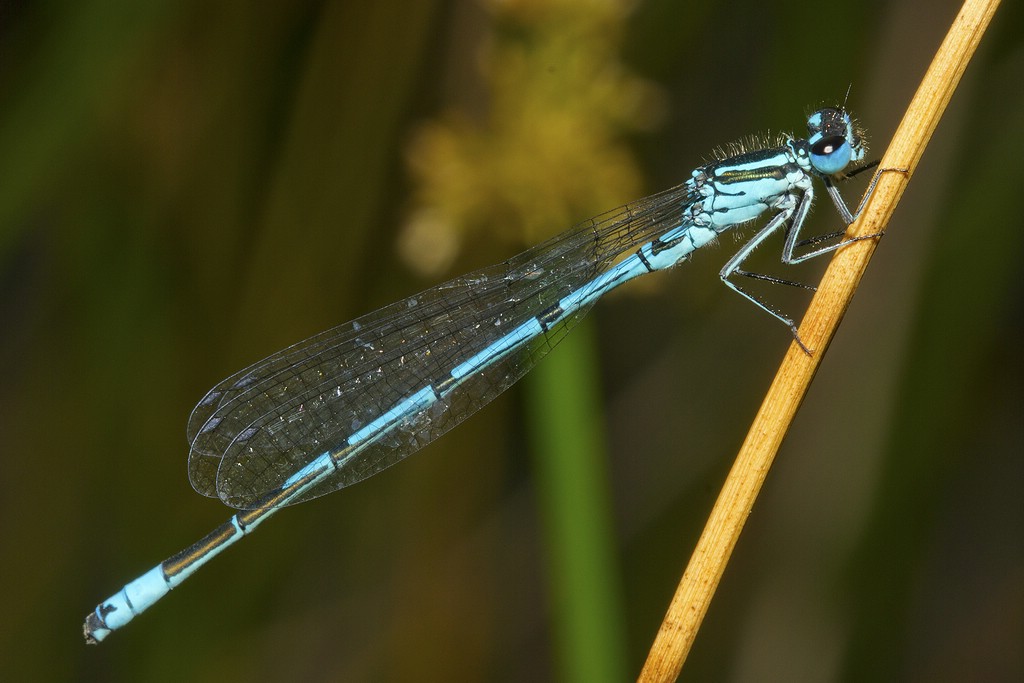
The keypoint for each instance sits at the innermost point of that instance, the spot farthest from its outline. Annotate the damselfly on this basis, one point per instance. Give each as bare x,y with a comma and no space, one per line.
343,405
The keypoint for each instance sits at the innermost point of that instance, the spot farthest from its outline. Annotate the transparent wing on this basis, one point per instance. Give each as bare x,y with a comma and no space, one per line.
259,426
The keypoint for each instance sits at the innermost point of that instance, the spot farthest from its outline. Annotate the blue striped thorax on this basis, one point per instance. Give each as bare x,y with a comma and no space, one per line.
741,188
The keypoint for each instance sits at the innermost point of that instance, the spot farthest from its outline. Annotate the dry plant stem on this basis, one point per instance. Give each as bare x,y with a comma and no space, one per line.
787,391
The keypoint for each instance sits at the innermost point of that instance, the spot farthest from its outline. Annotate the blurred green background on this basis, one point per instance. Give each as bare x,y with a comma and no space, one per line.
186,187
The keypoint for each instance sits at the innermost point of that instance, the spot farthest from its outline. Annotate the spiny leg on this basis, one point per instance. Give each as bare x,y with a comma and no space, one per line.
792,243
797,213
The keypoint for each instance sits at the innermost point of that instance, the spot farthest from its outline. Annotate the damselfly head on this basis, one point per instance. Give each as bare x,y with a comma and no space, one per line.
835,140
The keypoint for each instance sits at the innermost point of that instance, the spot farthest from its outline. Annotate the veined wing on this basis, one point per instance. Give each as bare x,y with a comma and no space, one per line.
255,429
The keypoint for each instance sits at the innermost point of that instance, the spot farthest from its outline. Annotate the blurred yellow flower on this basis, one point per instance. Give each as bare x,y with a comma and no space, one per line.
550,148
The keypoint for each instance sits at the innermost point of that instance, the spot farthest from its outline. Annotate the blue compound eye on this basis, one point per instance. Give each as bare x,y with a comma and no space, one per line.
831,155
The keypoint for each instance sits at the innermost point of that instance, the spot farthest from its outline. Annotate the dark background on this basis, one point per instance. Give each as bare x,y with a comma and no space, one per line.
186,187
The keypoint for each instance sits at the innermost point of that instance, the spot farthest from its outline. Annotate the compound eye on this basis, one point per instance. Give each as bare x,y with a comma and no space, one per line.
831,155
